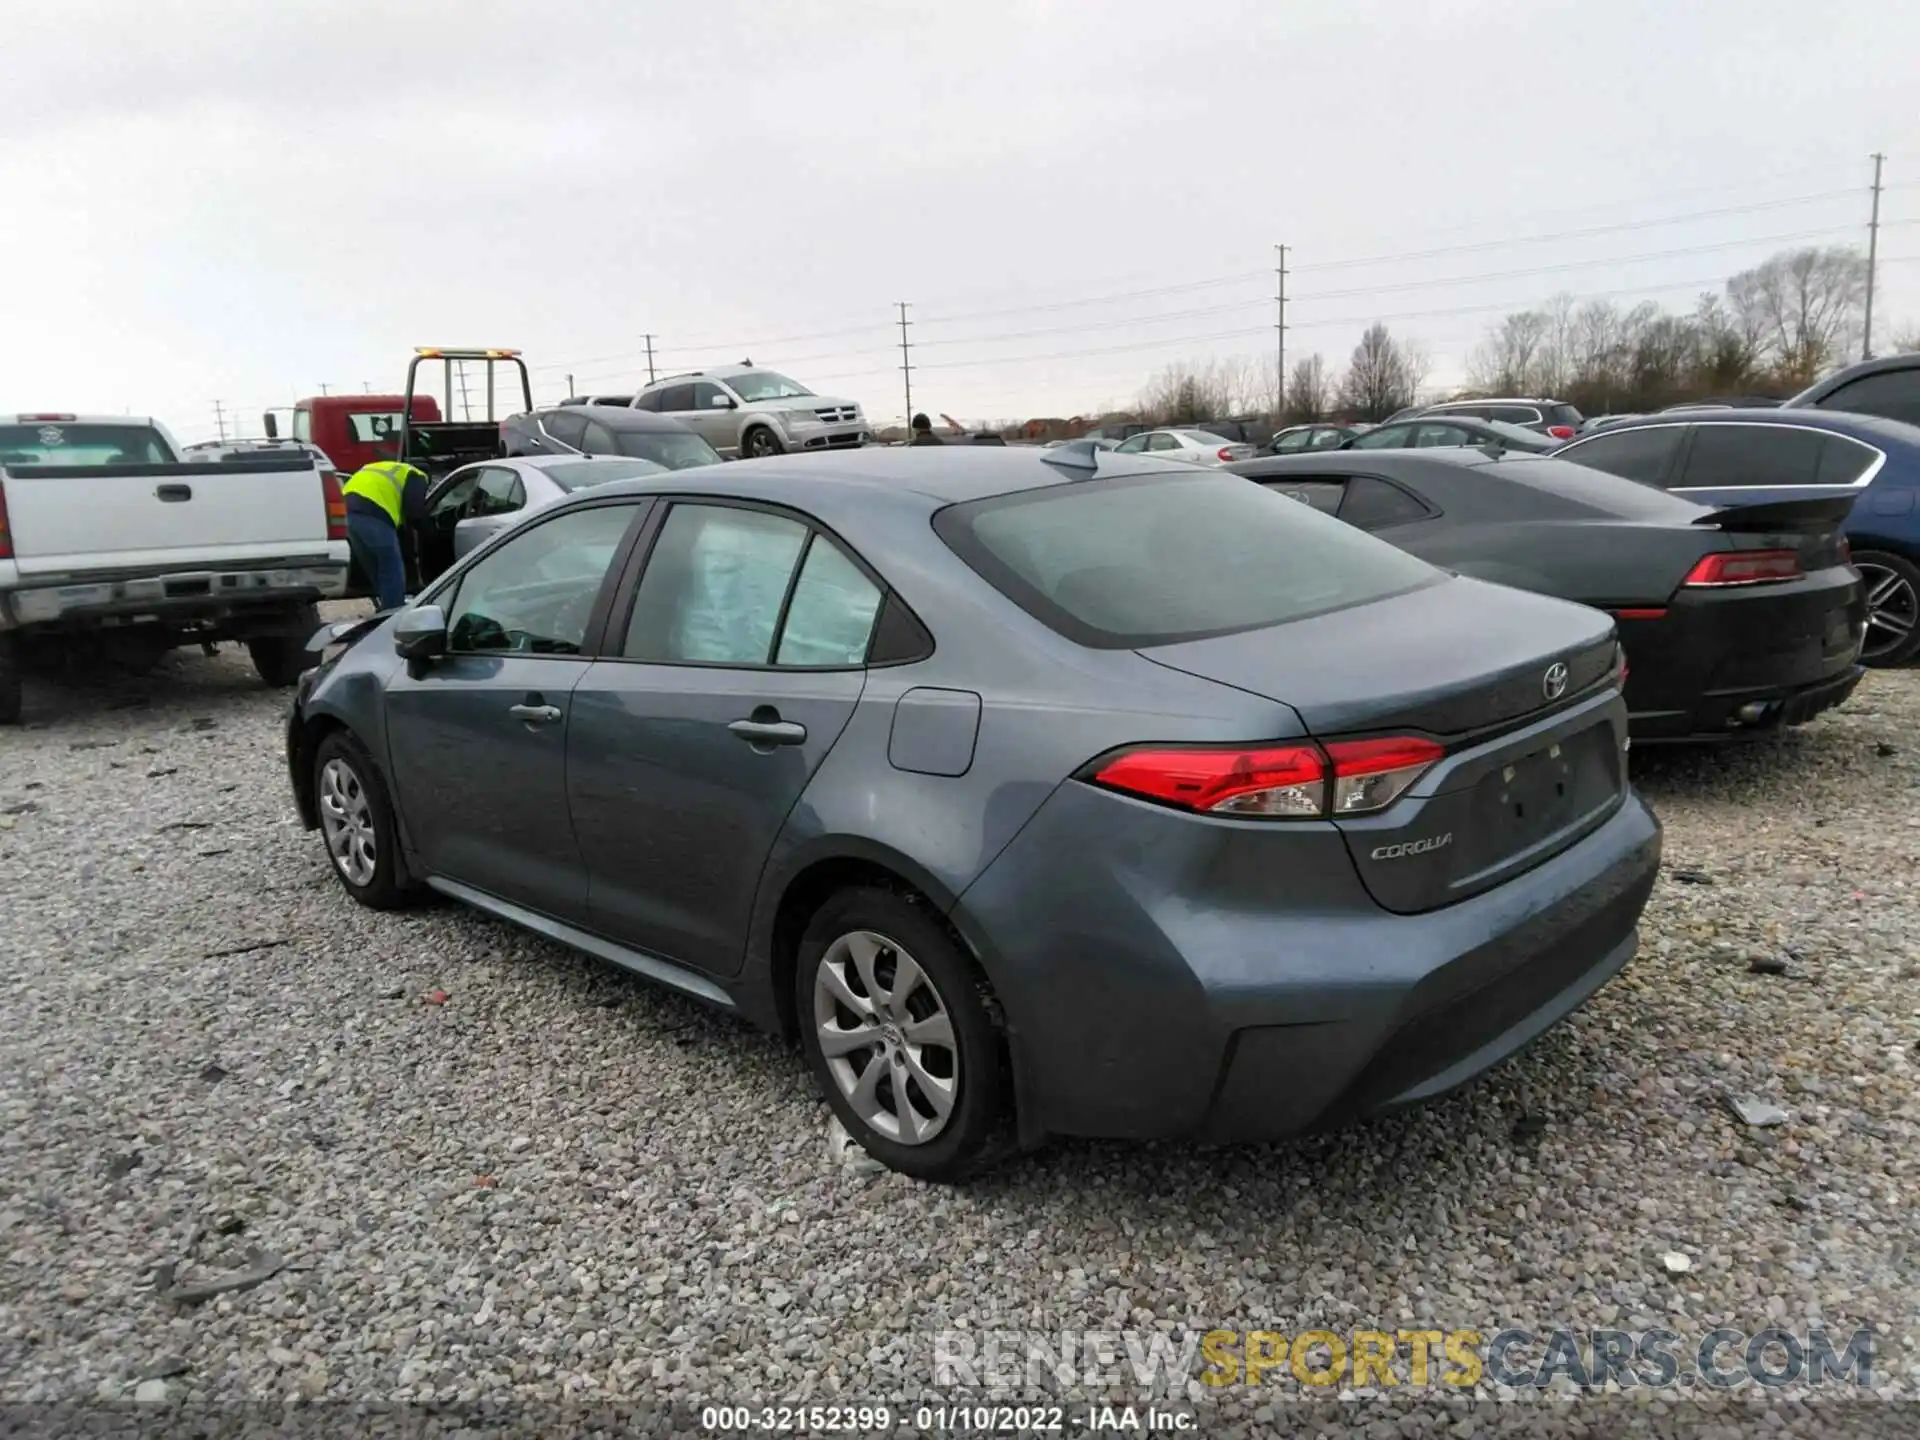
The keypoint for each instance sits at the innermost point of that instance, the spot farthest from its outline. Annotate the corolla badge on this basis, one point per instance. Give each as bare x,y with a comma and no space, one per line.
1553,684
1412,847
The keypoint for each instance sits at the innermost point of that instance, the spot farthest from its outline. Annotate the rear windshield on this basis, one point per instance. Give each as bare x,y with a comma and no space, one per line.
60,444
675,451
599,472
1164,558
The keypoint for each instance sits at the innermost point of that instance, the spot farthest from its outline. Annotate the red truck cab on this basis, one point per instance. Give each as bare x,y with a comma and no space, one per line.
354,430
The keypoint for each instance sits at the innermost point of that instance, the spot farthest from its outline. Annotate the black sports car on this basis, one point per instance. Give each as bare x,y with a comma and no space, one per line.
1735,619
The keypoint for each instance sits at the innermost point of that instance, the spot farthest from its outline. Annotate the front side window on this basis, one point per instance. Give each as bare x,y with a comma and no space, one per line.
1328,439
755,386
569,430
534,594
714,586
1392,437
1429,436
1644,454
1165,558
498,493
1298,440
1133,445
669,449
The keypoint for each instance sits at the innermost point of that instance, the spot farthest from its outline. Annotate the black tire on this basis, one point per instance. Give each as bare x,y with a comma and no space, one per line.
387,886
282,659
1903,606
760,442
975,1125
10,687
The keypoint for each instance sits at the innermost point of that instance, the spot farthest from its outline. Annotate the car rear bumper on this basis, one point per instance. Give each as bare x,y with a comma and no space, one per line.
1726,714
1717,663
1136,1013
175,596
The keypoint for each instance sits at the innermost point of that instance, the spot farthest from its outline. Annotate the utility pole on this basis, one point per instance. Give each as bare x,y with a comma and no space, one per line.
220,419
1873,255
906,360
323,389
649,340
571,392
1280,330
366,387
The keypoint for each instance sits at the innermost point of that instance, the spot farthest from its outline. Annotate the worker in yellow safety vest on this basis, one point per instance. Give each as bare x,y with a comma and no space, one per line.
384,500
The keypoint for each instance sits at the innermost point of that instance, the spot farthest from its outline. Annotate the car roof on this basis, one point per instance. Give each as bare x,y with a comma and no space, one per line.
1497,400
938,475
1874,428
1564,479
1907,360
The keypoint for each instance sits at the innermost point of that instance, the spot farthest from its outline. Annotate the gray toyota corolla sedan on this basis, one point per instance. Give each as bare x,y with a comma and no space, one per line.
1035,792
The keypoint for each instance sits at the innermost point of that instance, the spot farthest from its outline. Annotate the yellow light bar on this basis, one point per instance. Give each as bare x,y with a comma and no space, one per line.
425,354
503,354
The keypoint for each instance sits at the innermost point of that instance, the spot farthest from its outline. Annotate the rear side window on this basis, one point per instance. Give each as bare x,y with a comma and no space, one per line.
1645,455
676,397
56,443
1892,394
1514,414
647,402
1561,415
1738,456
1843,461
1166,558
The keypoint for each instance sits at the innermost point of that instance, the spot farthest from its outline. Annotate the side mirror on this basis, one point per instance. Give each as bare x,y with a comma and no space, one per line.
721,402
421,633
271,425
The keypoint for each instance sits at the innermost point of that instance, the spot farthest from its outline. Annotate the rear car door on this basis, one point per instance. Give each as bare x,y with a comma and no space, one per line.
726,679
477,737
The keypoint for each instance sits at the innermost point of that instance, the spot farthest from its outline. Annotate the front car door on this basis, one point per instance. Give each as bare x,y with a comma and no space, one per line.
477,736
723,685
713,415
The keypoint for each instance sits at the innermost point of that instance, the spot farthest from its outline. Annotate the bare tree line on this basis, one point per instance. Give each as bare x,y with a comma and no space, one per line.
1773,330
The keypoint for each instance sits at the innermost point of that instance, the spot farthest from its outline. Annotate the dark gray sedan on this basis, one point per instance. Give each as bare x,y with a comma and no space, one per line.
1034,792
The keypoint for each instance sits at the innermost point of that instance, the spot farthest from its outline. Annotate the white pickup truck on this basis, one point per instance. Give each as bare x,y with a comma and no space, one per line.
111,543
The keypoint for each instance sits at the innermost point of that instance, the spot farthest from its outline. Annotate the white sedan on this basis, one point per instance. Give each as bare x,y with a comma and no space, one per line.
1195,445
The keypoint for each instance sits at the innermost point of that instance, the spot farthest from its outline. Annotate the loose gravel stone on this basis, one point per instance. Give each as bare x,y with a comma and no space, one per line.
530,1195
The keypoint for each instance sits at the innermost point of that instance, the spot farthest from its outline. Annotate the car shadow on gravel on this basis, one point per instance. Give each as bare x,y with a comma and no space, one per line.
179,680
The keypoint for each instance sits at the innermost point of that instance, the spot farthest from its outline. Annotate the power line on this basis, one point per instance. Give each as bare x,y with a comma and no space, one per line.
1587,232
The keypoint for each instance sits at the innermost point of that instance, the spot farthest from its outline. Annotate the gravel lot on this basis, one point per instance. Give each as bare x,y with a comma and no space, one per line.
560,1182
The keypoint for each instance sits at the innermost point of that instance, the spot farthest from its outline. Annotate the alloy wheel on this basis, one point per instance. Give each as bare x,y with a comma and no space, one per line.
887,1037
1893,610
346,821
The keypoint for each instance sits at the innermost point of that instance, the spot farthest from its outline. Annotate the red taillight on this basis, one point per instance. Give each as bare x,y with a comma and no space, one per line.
1226,453
1370,775
1647,614
41,419
6,535
336,505
1290,782
1560,432
1744,567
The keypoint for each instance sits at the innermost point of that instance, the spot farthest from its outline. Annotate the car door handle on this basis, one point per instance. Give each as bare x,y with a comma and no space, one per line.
535,714
760,733
173,494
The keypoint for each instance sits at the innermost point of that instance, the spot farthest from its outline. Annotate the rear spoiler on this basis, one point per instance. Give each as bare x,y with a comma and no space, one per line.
1804,515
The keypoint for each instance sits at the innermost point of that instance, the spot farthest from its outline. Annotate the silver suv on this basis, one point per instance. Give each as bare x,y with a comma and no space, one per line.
745,410
1555,418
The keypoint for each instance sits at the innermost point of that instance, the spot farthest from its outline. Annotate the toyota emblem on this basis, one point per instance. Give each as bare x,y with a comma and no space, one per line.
1553,684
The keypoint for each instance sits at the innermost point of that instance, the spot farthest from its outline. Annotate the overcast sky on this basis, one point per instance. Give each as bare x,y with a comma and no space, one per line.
233,200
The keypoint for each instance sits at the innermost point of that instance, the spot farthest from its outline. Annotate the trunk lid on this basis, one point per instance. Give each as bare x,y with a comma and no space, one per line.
1520,689
75,519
